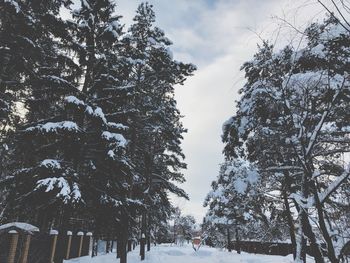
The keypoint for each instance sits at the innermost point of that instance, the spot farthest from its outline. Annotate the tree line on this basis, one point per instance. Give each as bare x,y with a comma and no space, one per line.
286,170
89,126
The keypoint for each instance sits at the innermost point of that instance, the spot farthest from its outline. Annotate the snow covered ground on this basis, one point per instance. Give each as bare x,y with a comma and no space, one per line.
167,253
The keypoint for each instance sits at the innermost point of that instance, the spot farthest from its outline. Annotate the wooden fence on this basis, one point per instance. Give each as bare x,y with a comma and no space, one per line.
267,248
37,247
270,248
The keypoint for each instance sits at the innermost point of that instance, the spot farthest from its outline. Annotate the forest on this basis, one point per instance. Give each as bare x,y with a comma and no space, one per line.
90,129
286,169
91,133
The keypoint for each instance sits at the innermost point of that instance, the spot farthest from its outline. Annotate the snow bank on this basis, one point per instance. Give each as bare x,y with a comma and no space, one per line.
175,254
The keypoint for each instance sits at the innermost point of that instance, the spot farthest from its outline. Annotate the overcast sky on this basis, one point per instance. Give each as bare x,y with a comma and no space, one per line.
217,36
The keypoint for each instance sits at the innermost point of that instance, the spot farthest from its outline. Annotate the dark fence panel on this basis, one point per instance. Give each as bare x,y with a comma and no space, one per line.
270,248
267,248
20,247
86,246
74,249
40,247
5,246
61,248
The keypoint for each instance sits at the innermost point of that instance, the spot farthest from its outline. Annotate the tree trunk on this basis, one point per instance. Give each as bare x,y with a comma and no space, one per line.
305,223
142,247
94,247
148,232
300,252
118,246
148,243
143,236
324,229
43,220
123,252
238,246
307,230
123,242
89,74
129,245
174,232
290,223
228,240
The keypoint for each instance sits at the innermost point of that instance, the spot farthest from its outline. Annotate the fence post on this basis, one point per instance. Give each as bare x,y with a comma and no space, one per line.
13,246
129,245
69,243
81,234
89,235
24,255
53,233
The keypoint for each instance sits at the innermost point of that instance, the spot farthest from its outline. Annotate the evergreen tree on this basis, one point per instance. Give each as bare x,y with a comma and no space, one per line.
156,130
108,150
35,75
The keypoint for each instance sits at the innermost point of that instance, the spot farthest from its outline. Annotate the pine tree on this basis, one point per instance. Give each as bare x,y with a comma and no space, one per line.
34,67
155,123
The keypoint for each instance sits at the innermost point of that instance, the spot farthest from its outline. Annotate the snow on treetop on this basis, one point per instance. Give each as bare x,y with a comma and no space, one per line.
55,126
169,52
227,124
111,154
243,123
14,4
59,183
313,80
85,4
50,163
117,126
89,110
99,113
118,138
243,174
240,185
318,51
113,28
333,30
106,199
83,24
57,80
135,61
74,100
76,195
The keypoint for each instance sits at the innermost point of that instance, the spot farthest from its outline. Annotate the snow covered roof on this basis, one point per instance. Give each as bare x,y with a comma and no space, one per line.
20,226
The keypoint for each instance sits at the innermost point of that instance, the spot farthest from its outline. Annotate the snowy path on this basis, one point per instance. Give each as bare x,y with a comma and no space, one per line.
185,254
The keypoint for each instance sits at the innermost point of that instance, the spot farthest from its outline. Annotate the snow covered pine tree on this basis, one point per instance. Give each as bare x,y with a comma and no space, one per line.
107,150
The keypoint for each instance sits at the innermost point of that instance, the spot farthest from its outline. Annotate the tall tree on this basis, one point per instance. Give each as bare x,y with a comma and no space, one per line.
154,121
292,111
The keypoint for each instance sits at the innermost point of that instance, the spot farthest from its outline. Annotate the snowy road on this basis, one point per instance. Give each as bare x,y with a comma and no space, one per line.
185,254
